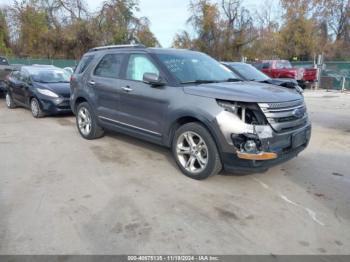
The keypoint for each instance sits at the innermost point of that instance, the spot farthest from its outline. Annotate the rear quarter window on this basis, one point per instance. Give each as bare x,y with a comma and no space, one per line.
109,66
83,64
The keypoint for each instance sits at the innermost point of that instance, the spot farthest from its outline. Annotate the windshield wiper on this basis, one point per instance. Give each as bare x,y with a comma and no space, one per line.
200,82
232,80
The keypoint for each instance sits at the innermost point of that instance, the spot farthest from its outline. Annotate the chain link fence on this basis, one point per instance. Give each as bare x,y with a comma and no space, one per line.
334,75
56,62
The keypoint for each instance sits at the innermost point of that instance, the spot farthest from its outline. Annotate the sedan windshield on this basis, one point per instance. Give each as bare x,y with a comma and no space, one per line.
249,72
192,67
48,75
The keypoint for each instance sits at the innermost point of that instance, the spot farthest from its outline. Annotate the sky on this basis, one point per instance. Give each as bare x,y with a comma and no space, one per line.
167,17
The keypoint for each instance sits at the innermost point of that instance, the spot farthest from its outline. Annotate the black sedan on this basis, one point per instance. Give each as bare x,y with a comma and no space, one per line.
247,72
43,89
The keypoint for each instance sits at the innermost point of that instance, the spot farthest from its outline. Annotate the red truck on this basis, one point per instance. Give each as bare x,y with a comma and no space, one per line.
284,69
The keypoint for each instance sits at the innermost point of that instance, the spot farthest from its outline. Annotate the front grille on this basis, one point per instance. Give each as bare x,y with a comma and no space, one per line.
286,116
66,95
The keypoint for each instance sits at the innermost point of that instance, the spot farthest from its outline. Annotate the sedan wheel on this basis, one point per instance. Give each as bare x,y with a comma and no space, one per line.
35,108
8,100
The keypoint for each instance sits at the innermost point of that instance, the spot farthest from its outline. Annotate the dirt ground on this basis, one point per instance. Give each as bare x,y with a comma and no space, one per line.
60,194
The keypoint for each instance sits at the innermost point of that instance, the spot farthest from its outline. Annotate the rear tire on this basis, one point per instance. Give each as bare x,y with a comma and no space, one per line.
87,122
9,101
195,151
35,107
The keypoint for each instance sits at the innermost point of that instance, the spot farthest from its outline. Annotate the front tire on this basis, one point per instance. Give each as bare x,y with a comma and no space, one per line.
195,151
87,122
35,107
9,101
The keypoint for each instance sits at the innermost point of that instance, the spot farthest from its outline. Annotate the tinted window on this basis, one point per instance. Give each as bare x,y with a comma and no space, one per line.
193,66
265,65
109,66
84,63
139,65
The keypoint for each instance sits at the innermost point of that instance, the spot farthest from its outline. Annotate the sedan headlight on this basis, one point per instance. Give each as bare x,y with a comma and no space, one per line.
47,92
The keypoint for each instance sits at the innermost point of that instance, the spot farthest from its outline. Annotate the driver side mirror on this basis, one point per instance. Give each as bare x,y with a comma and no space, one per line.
153,79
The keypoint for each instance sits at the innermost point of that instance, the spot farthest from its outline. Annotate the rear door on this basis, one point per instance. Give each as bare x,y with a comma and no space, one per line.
15,86
104,81
23,89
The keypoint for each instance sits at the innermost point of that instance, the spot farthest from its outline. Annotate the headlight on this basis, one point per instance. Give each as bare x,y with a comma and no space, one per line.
228,106
47,92
249,113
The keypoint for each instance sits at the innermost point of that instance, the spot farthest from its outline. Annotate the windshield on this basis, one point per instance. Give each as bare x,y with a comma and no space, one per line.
45,75
249,72
191,67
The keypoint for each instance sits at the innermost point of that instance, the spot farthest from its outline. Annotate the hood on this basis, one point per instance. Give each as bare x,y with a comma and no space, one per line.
289,83
62,89
244,92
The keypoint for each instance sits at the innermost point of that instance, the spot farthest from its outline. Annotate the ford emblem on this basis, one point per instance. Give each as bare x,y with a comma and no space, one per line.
298,113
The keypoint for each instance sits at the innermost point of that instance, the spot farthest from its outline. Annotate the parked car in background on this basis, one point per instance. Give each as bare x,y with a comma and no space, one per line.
284,69
191,103
248,72
43,89
5,70
70,70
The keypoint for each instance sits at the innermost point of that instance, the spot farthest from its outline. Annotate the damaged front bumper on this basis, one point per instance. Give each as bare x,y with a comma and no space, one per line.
273,148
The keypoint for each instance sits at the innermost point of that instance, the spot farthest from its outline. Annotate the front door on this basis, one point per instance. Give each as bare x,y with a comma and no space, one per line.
142,106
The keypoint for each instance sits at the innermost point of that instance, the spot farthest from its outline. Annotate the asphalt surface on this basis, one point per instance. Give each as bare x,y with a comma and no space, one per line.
60,194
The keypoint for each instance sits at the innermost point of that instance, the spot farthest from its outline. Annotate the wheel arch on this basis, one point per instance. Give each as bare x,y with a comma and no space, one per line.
189,118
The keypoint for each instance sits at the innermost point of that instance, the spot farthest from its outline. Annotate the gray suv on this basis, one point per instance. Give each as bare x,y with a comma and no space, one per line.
189,102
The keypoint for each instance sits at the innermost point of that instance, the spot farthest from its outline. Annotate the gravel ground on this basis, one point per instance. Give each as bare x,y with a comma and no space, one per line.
60,194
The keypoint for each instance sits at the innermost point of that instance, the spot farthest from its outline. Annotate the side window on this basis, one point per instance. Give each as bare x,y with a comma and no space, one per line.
24,76
15,75
266,66
84,63
109,66
139,65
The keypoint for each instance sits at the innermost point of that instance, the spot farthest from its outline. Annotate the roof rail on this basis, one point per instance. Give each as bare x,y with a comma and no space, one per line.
116,47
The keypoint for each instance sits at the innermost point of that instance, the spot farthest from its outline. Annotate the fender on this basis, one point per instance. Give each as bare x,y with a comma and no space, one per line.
76,98
201,117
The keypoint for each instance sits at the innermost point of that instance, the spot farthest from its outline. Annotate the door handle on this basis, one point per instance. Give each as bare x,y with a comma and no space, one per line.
127,89
91,82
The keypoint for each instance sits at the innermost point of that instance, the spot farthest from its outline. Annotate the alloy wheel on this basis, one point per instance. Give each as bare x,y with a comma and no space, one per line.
192,152
34,107
84,121
8,100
